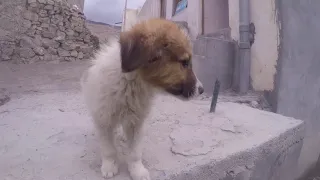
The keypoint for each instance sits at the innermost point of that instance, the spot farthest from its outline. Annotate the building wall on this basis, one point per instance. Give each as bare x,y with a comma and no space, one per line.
150,9
216,16
130,19
298,76
192,15
264,51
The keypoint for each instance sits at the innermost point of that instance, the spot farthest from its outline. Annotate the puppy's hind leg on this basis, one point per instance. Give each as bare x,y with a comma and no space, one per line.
134,154
109,167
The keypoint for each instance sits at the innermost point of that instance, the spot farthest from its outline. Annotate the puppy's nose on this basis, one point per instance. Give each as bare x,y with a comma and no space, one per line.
200,89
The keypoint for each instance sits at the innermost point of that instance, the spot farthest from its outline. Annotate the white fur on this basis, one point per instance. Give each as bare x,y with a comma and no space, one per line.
115,98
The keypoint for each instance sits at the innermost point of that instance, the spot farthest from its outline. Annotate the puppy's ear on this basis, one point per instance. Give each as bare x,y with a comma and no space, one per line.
133,51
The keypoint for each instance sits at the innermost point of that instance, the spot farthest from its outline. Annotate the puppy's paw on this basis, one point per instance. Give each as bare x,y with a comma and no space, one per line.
138,171
109,168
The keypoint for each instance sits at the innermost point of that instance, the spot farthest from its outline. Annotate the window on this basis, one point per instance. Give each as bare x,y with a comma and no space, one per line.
179,5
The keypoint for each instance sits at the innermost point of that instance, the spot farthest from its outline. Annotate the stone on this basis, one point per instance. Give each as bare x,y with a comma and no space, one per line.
26,53
85,49
38,40
51,12
87,39
50,2
42,1
61,26
47,57
80,55
27,24
48,34
33,7
38,32
56,9
43,13
31,32
39,51
59,39
68,46
32,1
52,51
5,57
50,57
61,36
44,25
39,28
55,21
30,16
70,59
7,51
254,104
48,7
32,60
45,20
46,43
4,99
74,53
26,42
63,53
70,32
61,33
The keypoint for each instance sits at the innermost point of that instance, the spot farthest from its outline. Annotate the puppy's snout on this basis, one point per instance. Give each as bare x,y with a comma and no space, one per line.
200,89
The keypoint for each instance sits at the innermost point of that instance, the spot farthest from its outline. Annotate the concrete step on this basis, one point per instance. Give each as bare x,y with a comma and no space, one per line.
49,135
50,138
214,59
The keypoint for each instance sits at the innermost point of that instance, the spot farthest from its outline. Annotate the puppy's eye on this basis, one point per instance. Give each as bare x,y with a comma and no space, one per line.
165,45
185,63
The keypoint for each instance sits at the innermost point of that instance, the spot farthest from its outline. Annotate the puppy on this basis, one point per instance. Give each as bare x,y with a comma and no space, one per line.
125,74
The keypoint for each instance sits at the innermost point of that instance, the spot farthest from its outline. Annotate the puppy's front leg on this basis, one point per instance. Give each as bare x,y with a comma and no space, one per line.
109,167
134,155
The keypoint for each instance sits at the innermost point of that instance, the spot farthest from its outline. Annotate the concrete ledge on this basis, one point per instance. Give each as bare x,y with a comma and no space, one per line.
50,136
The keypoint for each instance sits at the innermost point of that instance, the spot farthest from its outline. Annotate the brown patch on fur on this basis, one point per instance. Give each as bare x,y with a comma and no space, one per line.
160,51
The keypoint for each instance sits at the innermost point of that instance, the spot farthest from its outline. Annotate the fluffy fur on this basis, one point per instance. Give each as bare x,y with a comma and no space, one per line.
125,74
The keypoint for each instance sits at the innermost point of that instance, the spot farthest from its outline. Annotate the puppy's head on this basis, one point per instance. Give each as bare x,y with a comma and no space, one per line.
160,51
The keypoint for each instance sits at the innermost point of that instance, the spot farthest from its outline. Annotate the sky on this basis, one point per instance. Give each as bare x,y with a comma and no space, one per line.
108,11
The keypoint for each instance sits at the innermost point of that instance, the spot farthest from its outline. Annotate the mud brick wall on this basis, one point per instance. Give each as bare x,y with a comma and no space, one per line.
44,31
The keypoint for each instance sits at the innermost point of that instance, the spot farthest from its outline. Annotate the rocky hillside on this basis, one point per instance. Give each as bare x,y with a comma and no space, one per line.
103,30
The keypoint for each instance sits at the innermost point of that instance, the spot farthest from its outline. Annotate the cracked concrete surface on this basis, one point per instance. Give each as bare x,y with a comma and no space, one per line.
46,134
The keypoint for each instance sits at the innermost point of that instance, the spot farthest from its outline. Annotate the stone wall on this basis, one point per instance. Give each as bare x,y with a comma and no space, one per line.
44,31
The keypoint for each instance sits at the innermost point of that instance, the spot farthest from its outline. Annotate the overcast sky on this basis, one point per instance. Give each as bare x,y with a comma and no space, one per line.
108,11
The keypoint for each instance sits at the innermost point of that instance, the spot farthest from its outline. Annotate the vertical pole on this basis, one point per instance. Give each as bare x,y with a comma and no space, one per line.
244,45
124,16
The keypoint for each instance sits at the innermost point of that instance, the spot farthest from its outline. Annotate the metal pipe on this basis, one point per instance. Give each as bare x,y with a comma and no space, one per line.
244,45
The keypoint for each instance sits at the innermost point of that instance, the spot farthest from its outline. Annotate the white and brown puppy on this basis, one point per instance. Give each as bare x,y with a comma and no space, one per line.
119,86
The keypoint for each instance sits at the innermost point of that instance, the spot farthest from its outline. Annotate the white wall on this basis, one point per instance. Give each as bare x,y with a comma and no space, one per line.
192,15
150,9
264,52
130,19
